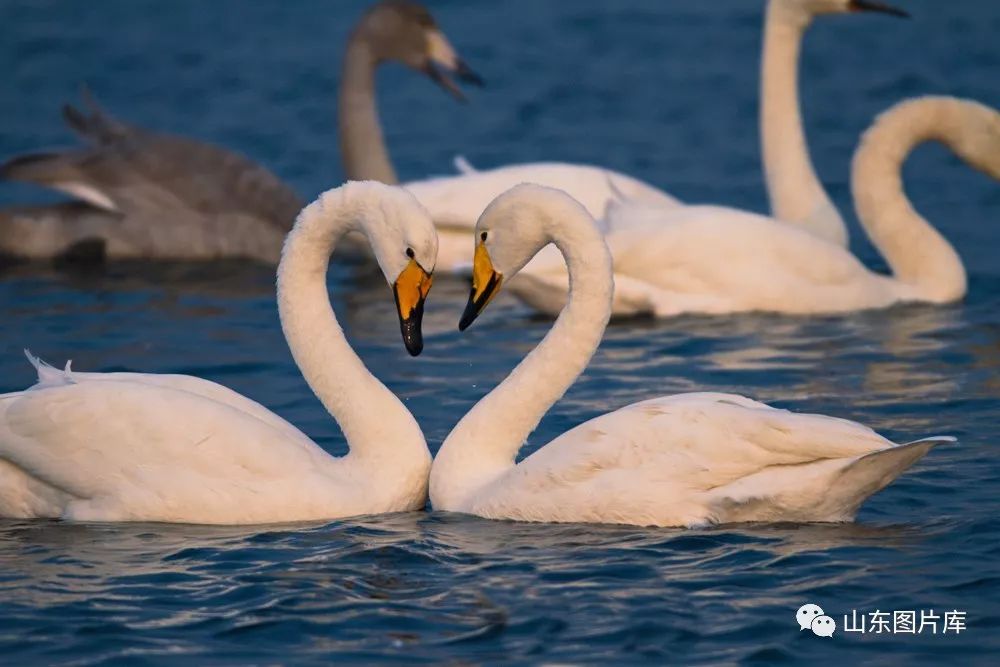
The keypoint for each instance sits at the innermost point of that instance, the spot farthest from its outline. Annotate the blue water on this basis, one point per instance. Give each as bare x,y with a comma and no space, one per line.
666,91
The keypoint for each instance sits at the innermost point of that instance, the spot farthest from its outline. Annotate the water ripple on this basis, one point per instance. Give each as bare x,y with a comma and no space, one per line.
433,588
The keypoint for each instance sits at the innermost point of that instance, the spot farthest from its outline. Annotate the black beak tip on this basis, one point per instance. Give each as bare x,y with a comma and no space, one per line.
469,315
413,339
468,75
410,328
438,77
467,319
415,347
476,305
879,7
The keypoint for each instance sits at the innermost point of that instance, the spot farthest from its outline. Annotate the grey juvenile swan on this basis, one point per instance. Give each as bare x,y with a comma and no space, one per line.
145,194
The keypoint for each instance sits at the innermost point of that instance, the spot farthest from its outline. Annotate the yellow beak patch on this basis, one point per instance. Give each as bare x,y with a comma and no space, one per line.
482,275
485,285
411,288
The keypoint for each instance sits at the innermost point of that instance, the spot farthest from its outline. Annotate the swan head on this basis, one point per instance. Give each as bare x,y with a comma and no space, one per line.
977,137
969,128
820,7
513,229
405,244
405,32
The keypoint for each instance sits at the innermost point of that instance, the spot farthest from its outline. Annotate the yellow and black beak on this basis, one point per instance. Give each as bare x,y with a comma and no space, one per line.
485,284
410,291
442,59
872,6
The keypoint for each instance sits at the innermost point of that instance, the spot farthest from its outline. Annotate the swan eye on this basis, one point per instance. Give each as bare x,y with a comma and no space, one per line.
483,236
410,253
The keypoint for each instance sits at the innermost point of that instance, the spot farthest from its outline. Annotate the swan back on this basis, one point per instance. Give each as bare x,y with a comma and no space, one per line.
456,202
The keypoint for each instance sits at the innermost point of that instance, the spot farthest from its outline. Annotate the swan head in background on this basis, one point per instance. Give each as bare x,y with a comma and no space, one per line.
405,32
971,129
512,229
977,140
809,8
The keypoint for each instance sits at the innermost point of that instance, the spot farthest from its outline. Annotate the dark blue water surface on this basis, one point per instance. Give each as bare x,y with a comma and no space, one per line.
662,90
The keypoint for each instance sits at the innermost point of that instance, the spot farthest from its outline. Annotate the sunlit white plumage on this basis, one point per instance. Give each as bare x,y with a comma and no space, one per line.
717,260
455,202
146,447
797,196
681,460
796,193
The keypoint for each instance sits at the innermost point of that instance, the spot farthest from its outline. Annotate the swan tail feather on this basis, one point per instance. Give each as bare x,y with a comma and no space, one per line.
48,375
463,166
94,123
872,472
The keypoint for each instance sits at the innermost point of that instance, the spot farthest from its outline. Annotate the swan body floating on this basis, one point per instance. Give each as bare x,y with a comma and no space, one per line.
149,194
176,448
683,460
796,194
455,202
707,259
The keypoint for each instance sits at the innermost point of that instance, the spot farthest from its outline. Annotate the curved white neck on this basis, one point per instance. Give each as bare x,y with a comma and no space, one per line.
484,444
796,194
362,146
918,254
380,432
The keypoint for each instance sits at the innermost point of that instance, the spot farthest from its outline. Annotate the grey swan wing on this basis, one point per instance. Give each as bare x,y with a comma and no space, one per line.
155,175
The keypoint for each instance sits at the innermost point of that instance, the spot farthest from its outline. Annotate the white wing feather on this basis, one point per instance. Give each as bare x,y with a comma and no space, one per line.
115,449
48,376
459,200
685,460
715,260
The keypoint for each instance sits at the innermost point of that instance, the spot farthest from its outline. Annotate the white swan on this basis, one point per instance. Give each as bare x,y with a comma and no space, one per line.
709,259
456,202
147,447
679,460
796,194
